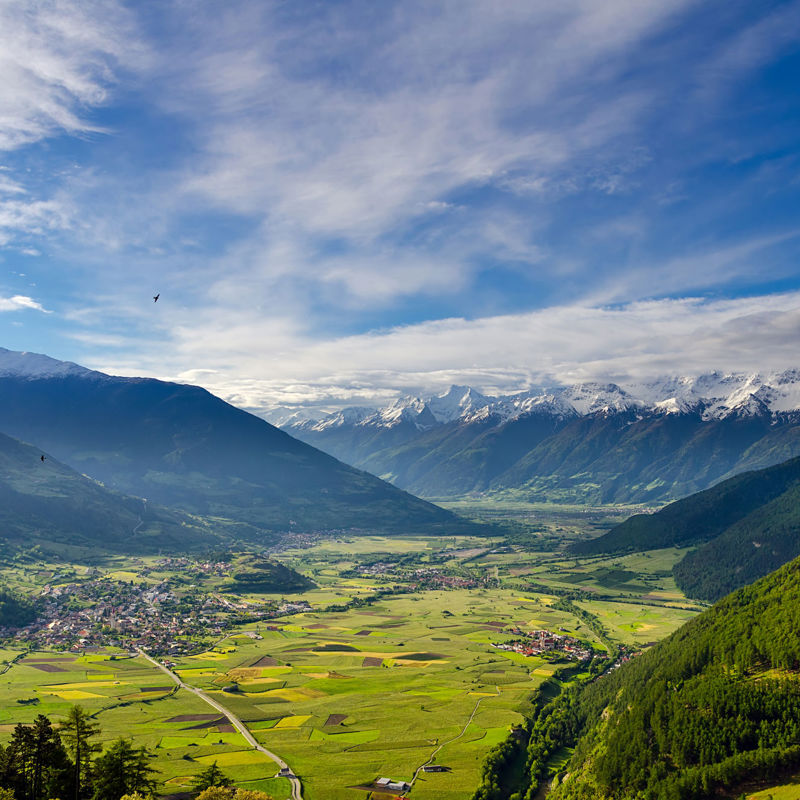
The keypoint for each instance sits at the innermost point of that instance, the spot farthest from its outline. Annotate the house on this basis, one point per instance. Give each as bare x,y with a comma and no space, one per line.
388,785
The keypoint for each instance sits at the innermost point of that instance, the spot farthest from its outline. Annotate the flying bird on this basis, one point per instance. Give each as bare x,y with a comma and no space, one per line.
156,296
42,457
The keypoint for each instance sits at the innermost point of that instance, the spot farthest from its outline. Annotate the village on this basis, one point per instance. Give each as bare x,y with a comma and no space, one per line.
420,577
535,643
103,612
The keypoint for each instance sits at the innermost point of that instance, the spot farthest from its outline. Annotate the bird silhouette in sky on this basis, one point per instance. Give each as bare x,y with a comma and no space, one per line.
156,296
42,457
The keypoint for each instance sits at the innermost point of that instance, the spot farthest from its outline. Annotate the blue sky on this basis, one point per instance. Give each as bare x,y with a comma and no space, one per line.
340,201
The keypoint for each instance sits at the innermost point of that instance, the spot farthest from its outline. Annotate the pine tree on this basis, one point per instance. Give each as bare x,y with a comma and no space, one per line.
211,776
76,731
123,769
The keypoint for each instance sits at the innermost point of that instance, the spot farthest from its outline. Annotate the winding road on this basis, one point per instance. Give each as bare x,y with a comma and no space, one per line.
297,788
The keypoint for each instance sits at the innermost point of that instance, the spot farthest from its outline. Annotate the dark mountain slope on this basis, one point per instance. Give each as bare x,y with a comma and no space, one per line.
630,457
179,445
458,458
700,517
747,525
587,443
715,705
48,501
748,549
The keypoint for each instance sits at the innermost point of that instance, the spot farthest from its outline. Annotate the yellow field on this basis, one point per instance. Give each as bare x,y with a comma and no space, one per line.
75,695
212,655
292,722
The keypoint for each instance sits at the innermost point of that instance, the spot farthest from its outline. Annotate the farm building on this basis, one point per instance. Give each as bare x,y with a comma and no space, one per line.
387,784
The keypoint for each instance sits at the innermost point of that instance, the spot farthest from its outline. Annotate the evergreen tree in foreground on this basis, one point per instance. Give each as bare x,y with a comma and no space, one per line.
123,769
76,732
211,776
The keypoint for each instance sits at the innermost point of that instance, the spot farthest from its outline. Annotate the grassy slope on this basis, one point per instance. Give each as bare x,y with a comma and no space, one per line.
748,525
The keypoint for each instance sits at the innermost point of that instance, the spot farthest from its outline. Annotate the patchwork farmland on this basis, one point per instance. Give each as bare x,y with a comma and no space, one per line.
381,689
376,678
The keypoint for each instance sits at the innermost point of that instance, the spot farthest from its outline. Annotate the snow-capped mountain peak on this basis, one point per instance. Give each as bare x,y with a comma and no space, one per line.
35,365
715,395
457,402
591,398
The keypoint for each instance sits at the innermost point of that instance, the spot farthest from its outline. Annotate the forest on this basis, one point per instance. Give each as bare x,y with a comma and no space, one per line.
711,707
15,611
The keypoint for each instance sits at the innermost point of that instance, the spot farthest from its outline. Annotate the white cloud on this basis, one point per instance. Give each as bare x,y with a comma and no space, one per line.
32,217
338,129
263,363
19,302
56,58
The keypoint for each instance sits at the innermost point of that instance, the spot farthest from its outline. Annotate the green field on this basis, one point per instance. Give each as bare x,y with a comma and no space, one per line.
127,697
400,679
372,691
787,791
635,624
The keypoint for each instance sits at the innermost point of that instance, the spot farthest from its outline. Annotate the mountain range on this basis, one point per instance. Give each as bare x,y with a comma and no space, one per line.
180,446
646,442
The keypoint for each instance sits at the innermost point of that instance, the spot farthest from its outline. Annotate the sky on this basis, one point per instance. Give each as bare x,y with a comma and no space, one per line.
342,201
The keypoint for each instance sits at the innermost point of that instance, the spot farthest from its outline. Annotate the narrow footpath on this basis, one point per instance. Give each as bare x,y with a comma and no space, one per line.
297,788
450,741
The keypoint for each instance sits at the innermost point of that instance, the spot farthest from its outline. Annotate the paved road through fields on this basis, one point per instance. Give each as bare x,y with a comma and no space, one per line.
297,788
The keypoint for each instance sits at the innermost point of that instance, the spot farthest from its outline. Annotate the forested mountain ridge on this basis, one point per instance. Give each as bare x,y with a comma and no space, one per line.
179,445
712,707
15,611
43,500
747,526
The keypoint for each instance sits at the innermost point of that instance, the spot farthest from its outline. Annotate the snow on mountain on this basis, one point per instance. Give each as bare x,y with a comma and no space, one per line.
457,402
715,396
413,410
285,416
35,365
554,404
352,415
591,398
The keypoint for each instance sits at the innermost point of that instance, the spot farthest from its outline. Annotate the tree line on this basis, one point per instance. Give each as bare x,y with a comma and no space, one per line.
64,760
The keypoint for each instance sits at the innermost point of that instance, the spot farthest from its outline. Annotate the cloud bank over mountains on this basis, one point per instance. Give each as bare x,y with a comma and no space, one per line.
503,354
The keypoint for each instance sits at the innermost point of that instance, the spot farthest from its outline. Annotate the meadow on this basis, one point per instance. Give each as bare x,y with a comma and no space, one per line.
129,697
